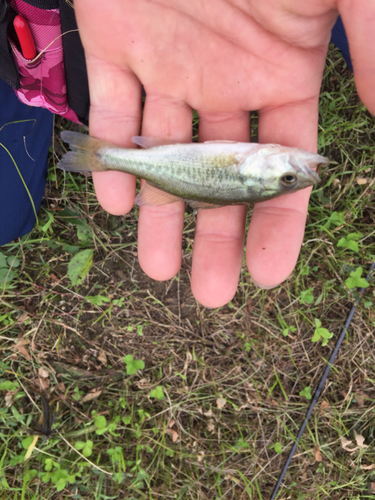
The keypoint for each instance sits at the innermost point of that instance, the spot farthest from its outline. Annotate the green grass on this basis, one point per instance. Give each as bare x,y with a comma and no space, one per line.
212,411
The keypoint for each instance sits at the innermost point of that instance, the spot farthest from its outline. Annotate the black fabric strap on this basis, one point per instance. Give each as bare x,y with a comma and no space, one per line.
75,64
3,9
8,69
43,4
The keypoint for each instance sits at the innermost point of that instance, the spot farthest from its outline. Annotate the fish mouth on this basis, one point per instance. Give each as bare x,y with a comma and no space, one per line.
315,162
308,170
306,177
314,176
310,178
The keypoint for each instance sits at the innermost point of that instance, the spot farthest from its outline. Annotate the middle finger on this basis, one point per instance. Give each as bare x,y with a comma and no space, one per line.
219,237
160,227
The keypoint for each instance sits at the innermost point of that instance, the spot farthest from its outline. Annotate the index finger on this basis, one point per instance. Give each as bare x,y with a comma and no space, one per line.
115,116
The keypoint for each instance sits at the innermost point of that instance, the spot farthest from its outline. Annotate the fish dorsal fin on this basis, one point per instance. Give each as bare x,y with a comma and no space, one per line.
151,195
151,142
202,204
220,142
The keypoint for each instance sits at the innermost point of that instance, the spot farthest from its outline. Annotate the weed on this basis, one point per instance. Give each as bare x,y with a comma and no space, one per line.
157,393
306,393
355,280
321,333
133,365
7,266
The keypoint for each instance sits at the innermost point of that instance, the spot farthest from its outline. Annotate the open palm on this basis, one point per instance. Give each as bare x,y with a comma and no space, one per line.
222,58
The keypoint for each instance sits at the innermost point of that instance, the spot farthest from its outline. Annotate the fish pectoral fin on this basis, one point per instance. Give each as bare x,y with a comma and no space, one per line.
151,142
151,195
202,204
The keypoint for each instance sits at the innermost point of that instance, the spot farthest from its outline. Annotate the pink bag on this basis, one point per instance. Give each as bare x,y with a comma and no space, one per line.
42,79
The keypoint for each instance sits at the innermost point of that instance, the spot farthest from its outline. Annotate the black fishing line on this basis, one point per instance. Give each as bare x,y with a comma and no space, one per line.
320,386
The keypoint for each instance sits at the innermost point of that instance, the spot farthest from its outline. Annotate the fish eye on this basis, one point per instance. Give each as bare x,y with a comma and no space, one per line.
288,179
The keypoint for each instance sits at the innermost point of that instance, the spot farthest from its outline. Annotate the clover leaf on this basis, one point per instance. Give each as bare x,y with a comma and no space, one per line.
157,393
86,447
307,296
321,333
350,242
132,365
355,280
306,393
336,218
277,447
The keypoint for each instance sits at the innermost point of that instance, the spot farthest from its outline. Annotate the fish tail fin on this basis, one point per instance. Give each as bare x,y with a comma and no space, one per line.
84,156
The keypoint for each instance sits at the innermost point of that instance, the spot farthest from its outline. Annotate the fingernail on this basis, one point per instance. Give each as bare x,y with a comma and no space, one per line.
264,287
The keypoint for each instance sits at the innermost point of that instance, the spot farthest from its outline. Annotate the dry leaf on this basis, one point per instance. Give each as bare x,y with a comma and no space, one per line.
317,454
24,316
360,440
102,357
336,182
324,406
211,425
208,413
189,358
361,181
242,407
9,398
144,383
40,384
229,477
345,443
44,383
173,434
20,347
360,398
43,373
221,402
368,467
94,393
171,423
105,412
200,456
31,447
372,487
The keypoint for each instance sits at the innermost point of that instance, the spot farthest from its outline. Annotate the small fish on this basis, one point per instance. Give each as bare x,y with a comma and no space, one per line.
206,175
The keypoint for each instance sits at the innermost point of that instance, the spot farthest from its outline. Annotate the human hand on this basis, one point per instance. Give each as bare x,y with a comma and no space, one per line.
222,58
